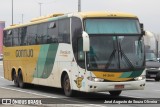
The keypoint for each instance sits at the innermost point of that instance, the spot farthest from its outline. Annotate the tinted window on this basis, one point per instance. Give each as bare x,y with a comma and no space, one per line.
15,37
52,32
112,26
22,36
64,30
7,38
32,35
42,33
77,41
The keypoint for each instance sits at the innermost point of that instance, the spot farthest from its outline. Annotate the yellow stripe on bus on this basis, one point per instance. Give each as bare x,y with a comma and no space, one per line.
110,76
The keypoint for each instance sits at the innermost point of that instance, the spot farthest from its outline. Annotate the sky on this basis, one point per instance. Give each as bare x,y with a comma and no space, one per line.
148,11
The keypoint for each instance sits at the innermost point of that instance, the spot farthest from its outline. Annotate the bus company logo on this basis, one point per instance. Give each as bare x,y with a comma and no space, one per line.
78,81
24,53
64,53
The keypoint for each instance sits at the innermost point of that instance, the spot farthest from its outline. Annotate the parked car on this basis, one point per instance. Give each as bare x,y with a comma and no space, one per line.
152,66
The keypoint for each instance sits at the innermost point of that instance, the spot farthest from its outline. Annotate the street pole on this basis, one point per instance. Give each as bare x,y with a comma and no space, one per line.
12,12
22,18
40,8
157,48
79,5
157,45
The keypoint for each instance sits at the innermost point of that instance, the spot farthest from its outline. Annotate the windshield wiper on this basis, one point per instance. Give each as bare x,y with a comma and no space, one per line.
125,57
120,54
111,56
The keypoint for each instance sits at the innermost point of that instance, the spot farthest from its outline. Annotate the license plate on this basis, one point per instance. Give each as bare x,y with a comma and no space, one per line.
119,86
152,75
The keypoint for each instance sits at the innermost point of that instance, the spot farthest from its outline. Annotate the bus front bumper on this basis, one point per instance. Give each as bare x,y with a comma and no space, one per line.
111,86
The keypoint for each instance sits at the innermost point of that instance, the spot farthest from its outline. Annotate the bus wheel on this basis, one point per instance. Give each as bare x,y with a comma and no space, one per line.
20,80
115,93
66,86
15,79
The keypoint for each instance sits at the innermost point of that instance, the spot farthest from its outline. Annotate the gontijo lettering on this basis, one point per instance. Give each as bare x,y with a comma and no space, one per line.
24,53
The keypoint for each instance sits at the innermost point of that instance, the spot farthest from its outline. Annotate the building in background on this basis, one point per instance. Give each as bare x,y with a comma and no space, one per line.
2,25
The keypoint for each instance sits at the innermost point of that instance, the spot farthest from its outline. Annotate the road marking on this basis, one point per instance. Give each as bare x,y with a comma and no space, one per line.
47,96
28,92
50,97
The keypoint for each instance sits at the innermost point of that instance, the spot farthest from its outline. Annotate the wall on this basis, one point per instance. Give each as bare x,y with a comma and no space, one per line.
2,25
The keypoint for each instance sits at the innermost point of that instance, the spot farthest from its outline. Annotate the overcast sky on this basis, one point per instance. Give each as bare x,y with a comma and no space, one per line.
148,11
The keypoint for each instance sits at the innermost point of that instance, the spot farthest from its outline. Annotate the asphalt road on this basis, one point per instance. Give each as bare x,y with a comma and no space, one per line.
46,96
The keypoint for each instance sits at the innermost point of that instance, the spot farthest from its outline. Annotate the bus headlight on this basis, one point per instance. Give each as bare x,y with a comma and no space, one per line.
142,77
95,79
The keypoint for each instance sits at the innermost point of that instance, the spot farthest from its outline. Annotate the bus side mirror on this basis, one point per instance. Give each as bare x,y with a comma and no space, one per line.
86,42
142,29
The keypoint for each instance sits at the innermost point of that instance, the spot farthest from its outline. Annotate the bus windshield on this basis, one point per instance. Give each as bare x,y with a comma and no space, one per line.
110,26
114,51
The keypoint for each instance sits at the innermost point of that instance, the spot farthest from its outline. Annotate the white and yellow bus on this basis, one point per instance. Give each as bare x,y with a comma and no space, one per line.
86,51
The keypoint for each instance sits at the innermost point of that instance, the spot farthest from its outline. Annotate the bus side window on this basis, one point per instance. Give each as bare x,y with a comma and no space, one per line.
7,38
15,37
64,30
31,34
23,36
80,50
52,36
42,33
76,29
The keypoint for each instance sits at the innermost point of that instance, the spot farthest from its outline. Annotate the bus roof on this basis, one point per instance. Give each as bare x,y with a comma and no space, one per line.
106,14
78,14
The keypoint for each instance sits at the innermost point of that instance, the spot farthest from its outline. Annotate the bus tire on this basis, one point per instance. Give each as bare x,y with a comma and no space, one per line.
15,79
20,80
67,86
115,93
